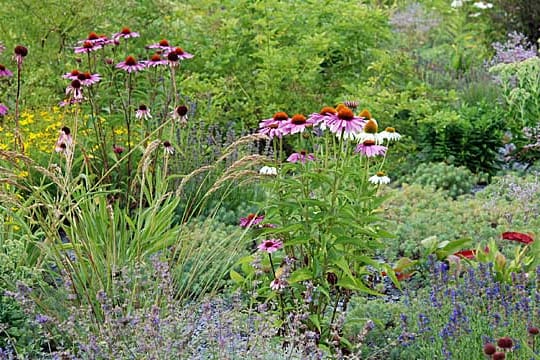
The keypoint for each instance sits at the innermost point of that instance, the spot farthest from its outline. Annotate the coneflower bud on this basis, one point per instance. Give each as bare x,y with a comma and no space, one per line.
371,127
76,84
489,349
365,114
182,110
533,330
66,130
505,343
21,51
351,104
172,56
498,356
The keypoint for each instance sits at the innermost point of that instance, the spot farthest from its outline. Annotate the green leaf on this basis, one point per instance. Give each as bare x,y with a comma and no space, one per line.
236,277
300,275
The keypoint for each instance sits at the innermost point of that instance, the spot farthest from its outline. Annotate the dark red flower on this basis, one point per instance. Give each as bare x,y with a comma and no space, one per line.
499,356
533,330
505,343
519,237
466,254
489,349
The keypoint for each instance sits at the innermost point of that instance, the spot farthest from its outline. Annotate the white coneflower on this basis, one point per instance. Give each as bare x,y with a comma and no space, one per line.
379,178
268,170
390,134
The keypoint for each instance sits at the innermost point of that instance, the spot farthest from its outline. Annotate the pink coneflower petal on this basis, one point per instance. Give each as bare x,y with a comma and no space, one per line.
5,72
297,124
370,149
344,123
65,141
87,46
155,61
169,149
130,65
125,33
88,79
72,75
179,52
143,113
270,246
278,284
3,109
251,220
74,90
274,126
302,157
519,237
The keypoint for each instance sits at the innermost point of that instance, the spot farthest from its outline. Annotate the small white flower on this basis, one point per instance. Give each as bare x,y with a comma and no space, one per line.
268,170
456,4
379,178
390,134
483,5
363,136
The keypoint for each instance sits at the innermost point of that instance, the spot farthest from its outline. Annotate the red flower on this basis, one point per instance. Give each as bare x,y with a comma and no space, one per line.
466,254
519,237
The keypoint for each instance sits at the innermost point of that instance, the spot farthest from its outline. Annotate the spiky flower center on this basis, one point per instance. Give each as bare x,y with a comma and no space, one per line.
88,45
87,75
179,51
76,84
345,114
21,50
167,144
371,127
2,67
66,130
126,31
182,110
303,152
281,116
298,119
380,173
155,57
369,142
172,56
390,130
130,61
328,110
75,73
365,114
143,107
164,43
93,36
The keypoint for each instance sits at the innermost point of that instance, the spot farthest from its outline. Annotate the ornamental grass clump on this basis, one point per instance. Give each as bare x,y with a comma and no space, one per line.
318,229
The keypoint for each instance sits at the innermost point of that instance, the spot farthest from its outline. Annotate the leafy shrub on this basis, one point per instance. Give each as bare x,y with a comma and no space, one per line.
455,180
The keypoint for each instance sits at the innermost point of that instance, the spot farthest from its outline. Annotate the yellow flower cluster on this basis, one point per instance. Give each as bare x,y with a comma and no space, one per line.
39,131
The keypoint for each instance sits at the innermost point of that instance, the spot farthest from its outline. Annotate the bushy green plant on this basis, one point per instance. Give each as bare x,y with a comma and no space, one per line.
455,180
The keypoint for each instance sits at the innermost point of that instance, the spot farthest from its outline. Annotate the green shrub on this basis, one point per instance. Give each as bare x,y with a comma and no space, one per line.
455,180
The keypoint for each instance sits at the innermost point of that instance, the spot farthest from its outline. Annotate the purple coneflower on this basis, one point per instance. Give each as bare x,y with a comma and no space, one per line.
369,148
297,124
250,220
64,140
3,109
130,65
87,46
143,112
274,126
323,116
179,52
88,79
74,90
20,53
167,146
379,178
278,284
72,75
344,123
162,44
180,114
96,39
302,157
125,33
5,72
155,61
270,245
118,149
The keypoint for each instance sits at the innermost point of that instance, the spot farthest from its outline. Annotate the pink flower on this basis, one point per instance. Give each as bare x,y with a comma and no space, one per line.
519,237
20,53
125,33
130,65
118,149
344,123
3,109
323,116
297,124
87,47
88,79
169,149
370,149
72,75
143,112
274,126
278,284
162,45
64,141
180,53
270,246
250,220
5,72
302,156
156,61
74,90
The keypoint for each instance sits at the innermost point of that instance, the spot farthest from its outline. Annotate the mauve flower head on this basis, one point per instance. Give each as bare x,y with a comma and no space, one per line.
490,349
88,79
118,149
302,157
3,109
5,72
251,220
87,47
74,90
125,33
270,245
180,114
369,148
278,285
344,123
274,126
20,53
505,343
130,65
180,53
155,61
498,356
322,116
143,112
162,45
297,124
169,149
533,330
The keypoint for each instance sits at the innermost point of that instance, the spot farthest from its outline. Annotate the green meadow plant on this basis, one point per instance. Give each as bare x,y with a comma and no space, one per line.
319,228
